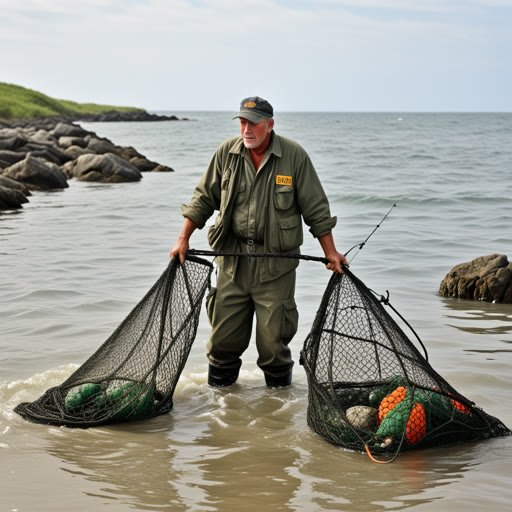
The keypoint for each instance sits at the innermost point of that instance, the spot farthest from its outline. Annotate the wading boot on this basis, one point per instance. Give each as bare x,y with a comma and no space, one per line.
220,377
278,382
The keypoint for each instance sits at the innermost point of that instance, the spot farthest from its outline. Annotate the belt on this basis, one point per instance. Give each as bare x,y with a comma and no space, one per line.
248,241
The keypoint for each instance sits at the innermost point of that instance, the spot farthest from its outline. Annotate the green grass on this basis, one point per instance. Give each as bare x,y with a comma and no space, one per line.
17,102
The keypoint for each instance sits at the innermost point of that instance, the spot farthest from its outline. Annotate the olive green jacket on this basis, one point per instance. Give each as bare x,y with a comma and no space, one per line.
292,192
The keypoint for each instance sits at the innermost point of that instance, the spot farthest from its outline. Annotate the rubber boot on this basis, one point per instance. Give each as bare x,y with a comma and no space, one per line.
220,377
278,382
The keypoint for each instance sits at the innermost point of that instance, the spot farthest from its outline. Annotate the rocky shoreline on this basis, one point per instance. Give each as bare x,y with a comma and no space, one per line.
44,153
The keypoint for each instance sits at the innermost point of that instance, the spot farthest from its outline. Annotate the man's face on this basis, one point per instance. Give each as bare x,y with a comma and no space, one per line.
254,134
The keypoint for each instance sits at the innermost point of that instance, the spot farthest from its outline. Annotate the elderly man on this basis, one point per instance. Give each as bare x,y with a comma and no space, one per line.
263,185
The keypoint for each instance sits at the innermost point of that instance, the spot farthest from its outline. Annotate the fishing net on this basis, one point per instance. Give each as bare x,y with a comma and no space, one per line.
371,389
134,373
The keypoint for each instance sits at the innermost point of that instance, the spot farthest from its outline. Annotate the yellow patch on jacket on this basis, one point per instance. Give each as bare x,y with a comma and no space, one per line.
283,180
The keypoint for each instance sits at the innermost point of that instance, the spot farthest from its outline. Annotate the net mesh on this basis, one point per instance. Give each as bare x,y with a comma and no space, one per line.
134,373
371,389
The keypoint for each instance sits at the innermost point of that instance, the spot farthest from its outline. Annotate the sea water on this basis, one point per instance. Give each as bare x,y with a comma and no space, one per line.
75,262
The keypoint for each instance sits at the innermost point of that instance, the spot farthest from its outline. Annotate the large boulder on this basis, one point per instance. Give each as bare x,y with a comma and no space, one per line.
68,130
106,168
76,151
486,278
10,183
44,137
143,164
47,152
12,142
7,158
12,194
11,199
67,142
100,147
127,152
37,174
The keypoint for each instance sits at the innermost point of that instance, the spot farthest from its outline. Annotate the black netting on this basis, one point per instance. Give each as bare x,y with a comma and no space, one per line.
134,373
371,389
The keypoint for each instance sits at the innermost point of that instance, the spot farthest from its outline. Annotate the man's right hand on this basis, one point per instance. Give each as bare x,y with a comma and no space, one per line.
180,248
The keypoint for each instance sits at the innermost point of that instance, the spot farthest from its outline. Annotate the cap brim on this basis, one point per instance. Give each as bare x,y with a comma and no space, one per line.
251,116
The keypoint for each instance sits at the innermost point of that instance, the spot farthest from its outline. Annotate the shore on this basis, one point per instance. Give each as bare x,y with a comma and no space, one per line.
44,153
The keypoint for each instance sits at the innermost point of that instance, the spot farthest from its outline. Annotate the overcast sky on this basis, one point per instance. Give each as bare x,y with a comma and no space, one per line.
332,55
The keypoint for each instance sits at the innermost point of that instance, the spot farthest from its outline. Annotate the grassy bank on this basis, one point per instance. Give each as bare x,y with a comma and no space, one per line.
17,102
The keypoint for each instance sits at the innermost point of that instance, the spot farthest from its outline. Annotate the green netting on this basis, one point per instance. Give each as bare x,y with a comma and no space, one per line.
134,373
371,389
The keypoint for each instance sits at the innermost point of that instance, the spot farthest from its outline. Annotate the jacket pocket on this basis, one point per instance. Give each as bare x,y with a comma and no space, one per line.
290,232
240,196
289,321
210,303
283,197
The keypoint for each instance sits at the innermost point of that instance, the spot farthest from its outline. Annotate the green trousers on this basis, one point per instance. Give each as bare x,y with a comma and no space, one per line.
231,311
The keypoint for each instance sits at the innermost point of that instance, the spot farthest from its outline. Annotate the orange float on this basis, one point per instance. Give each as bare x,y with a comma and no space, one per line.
389,402
416,425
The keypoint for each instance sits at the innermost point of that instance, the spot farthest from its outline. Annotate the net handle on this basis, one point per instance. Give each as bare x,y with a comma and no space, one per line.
200,252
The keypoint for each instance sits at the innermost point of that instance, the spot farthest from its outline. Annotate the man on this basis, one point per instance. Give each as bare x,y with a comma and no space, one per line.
263,186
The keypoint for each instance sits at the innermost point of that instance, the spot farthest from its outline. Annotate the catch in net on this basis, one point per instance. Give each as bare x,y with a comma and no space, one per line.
371,389
133,375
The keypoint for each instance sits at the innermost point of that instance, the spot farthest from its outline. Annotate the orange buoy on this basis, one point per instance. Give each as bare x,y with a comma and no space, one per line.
389,402
416,425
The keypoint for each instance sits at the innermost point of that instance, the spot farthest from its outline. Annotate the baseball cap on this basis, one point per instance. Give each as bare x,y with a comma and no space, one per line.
255,109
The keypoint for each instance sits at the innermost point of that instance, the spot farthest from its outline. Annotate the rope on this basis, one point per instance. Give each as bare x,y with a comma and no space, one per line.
373,459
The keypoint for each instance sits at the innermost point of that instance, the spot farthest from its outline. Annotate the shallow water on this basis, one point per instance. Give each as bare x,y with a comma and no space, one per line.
75,262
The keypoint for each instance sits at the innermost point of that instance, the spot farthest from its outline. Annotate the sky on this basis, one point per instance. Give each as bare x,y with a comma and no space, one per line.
327,55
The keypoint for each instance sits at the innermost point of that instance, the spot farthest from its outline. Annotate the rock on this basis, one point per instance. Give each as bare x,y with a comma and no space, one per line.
11,199
67,142
10,183
12,194
162,168
37,174
12,143
68,168
106,168
101,147
362,416
47,152
75,151
43,136
143,164
486,278
7,158
127,152
15,185
68,130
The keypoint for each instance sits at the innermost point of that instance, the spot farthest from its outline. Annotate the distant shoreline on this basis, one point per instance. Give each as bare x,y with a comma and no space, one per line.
109,116
18,103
